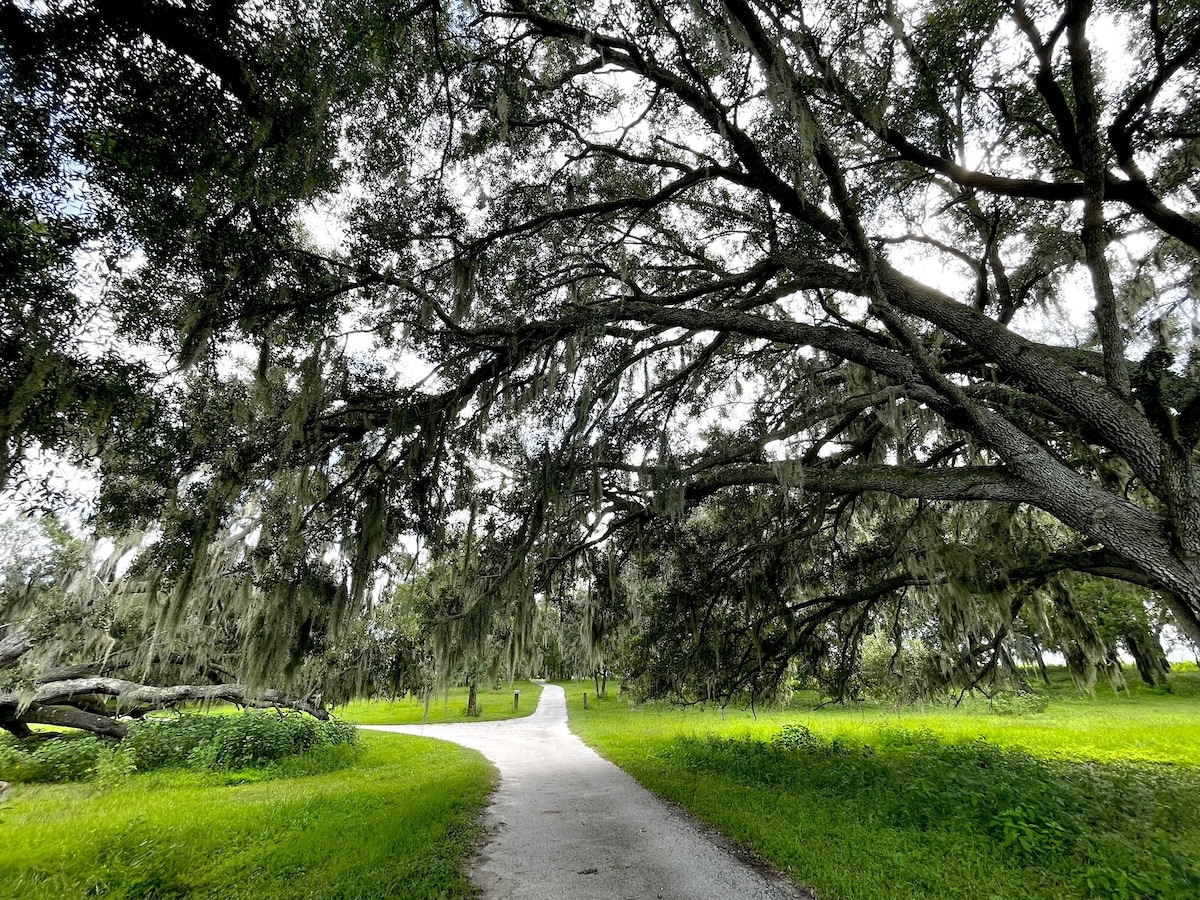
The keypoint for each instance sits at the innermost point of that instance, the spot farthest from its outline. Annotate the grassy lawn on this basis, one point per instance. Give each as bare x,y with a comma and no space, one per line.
444,706
1096,797
396,824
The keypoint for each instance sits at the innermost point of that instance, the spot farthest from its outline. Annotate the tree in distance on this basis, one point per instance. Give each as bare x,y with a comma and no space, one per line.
810,320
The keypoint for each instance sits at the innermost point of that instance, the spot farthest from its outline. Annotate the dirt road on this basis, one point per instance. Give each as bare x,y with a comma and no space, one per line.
567,825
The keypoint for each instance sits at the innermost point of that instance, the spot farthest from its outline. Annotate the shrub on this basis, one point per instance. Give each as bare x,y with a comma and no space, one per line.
1018,703
242,741
53,760
794,738
249,740
164,743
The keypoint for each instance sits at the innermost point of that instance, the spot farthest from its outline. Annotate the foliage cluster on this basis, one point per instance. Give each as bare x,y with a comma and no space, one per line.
232,742
902,675
75,758
401,818
1018,703
252,739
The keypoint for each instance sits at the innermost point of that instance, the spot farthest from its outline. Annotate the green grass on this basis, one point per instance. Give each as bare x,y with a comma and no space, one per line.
396,824
1097,797
444,706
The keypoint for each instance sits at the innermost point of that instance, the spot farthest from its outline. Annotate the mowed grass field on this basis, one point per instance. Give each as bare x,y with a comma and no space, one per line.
445,706
1097,797
395,824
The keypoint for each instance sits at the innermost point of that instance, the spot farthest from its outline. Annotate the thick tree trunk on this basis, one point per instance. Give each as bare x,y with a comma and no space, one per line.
1148,656
1014,673
15,728
473,701
1041,664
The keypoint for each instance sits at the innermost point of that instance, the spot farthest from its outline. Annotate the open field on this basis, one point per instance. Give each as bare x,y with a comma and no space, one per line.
444,706
396,824
1096,797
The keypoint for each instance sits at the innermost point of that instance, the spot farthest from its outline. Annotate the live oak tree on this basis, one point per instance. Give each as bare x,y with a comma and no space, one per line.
917,296
156,157
812,318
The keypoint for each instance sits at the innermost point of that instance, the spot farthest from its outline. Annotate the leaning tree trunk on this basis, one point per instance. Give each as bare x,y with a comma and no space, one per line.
1041,662
16,728
1148,656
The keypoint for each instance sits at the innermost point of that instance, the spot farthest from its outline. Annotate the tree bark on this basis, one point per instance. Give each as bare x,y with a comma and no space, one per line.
63,716
473,701
15,728
1041,663
1148,656
130,693
14,645
79,703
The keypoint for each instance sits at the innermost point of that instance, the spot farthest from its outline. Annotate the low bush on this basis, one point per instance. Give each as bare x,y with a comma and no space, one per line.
249,740
166,743
1018,703
54,760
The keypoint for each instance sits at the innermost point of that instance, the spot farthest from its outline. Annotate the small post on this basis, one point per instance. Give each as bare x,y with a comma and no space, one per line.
585,699
516,699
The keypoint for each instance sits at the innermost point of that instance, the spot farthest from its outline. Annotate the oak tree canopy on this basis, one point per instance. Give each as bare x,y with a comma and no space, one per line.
777,324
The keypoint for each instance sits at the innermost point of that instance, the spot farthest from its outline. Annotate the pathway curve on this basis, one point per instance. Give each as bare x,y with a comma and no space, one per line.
566,824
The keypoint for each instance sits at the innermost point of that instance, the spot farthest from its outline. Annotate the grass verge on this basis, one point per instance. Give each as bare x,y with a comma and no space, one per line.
396,824
445,706
1096,797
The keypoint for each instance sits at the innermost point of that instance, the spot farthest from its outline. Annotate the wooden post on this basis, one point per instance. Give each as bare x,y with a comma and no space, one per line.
516,699
585,699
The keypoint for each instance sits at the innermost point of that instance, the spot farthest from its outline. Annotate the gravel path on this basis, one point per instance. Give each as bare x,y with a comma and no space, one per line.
567,825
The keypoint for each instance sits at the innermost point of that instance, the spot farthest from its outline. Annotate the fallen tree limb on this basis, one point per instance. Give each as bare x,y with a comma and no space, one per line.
62,716
132,693
129,659
82,703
